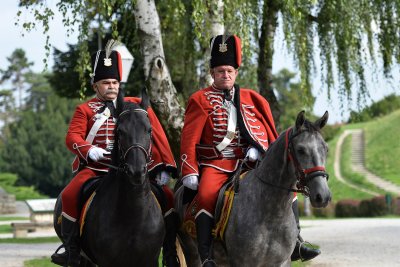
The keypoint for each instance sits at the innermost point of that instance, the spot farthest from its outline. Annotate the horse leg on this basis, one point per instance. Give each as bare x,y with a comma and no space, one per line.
189,248
170,257
301,251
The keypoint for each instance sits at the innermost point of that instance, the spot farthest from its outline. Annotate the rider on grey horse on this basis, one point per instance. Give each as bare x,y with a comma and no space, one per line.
223,125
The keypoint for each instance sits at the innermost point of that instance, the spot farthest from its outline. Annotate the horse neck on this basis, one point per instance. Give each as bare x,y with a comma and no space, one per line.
274,168
127,193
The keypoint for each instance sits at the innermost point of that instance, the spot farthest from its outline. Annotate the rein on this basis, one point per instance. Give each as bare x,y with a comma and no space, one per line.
147,152
303,176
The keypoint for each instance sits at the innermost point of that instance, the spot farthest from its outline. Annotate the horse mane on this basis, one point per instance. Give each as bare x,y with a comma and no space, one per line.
121,106
309,126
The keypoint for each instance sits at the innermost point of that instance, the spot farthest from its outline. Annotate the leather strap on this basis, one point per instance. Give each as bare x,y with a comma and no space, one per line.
96,126
230,135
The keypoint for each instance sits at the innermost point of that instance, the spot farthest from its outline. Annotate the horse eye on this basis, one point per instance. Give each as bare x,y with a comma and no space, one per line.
301,151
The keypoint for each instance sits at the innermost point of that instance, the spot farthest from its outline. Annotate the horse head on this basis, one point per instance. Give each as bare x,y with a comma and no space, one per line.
133,133
308,151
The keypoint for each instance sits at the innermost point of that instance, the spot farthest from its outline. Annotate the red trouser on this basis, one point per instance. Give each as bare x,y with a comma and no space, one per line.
70,194
211,181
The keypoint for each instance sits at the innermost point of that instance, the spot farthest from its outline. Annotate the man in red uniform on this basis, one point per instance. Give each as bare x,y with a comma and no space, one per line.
91,137
223,124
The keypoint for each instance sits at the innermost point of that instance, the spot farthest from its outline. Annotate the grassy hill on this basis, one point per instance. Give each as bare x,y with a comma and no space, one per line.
382,156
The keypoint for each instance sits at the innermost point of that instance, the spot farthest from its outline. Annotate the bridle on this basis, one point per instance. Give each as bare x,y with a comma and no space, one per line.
123,166
303,176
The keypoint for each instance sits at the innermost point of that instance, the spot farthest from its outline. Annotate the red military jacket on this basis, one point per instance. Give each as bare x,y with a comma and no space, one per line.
206,122
82,122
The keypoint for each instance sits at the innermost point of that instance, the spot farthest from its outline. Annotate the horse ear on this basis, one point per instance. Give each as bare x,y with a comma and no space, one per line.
300,120
120,101
145,103
321,122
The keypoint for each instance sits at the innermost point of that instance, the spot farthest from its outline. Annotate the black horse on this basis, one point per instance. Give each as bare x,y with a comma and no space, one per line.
124,224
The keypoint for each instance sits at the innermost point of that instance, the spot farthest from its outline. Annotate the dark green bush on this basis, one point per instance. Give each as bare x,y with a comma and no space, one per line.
347,208
328,211
373,207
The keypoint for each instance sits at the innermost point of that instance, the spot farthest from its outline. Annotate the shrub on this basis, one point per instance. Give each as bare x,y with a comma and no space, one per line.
396,206
373,207
347,208
7,182
328,211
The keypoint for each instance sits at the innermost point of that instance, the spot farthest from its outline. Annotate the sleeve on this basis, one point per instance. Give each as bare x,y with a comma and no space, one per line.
76,135
268,121
195,119
162,157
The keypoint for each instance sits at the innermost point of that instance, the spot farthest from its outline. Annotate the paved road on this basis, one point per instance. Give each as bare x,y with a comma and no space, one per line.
14,255
344,243
354,242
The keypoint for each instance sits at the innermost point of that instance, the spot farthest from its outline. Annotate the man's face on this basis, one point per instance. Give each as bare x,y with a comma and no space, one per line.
224,76
106,89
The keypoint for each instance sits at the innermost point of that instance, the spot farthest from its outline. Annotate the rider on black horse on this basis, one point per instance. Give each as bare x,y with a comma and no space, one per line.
91,137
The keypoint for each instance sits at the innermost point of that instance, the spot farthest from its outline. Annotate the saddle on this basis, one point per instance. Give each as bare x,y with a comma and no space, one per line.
222,210
89,189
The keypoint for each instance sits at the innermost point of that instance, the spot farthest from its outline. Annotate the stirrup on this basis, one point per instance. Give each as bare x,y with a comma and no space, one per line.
302,243
207,261
60,247
164,260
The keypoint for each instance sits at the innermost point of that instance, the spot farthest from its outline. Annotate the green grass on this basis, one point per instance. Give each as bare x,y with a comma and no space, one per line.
347,172
383,146
382,156
46,262
5,229
40,262
340,190
36,240
6,218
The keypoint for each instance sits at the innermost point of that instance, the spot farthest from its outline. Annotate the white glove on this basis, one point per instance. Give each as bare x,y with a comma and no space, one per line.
98,153
191,181
253,154
163,178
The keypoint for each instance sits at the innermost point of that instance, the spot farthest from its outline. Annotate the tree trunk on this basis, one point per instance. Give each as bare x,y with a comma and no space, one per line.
161,90
266,44
215,9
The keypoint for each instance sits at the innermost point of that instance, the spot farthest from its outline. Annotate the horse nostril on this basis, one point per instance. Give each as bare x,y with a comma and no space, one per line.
318,198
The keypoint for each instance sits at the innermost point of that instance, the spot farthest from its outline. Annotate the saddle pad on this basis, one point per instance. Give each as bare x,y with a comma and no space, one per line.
84,212
224,206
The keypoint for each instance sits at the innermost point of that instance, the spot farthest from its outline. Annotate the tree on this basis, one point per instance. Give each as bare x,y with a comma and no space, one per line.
15,73
343,33
7,108
34,147
290,103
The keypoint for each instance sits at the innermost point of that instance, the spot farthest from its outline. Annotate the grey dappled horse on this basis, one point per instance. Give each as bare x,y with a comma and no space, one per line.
261,230
124,225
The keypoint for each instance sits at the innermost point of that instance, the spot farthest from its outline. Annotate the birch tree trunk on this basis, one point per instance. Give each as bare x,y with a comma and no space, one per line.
215,16
161,90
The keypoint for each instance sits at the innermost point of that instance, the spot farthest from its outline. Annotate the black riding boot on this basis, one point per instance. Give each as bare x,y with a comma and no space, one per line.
301,251
70,236
170,258
204,226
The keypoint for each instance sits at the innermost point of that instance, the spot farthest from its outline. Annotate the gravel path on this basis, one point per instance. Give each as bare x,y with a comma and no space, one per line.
354,242
343,242
14,255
